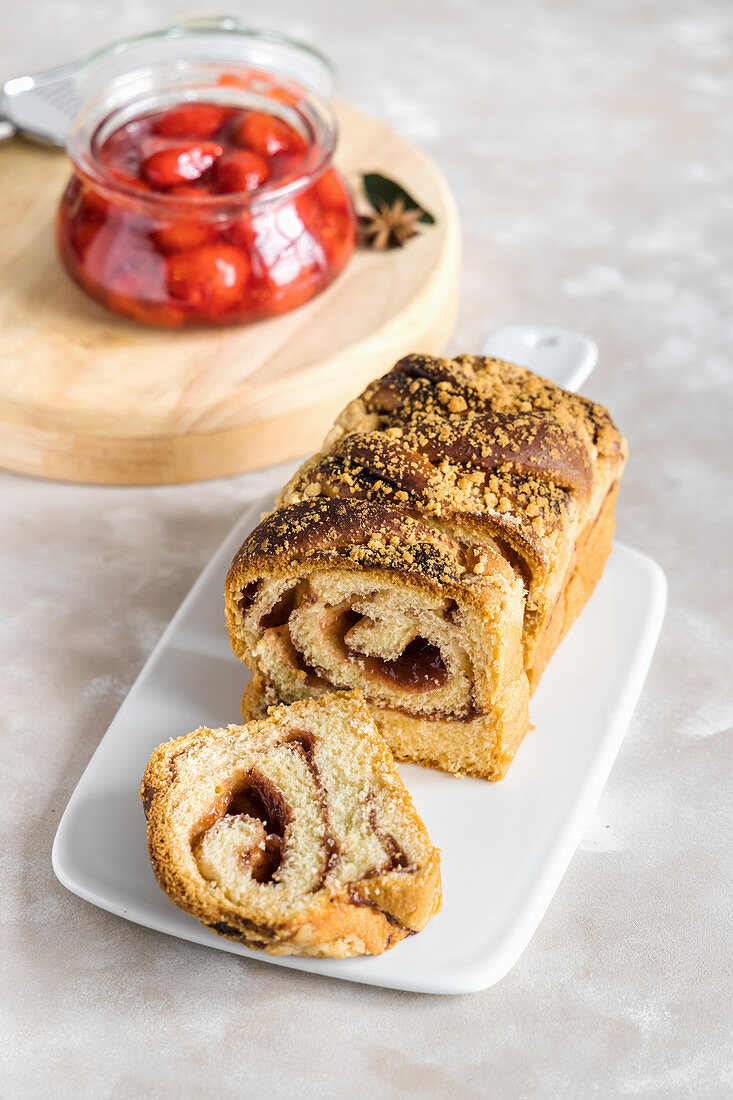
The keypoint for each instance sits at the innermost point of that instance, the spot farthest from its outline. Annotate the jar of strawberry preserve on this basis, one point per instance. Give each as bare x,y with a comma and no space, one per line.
203,190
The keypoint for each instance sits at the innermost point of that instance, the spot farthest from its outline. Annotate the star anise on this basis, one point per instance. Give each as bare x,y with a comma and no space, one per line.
388,225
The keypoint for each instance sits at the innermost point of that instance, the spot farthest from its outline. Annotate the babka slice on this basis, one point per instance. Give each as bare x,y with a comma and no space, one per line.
339,593
294,834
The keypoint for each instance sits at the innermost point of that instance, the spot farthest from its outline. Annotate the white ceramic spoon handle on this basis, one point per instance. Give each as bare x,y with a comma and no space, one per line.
557,353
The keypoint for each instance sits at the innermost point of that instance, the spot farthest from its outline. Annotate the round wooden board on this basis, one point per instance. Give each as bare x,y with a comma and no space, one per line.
86,396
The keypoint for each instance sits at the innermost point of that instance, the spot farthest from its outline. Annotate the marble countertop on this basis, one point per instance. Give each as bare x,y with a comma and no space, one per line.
588,146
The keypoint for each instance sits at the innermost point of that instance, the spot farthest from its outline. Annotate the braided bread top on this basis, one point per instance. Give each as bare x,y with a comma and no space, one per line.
468,437
421,387
359,533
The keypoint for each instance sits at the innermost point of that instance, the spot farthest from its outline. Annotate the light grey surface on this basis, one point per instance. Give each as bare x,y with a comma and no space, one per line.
540,811
589,149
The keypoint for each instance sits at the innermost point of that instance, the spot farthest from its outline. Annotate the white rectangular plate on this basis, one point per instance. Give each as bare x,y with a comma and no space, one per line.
505,846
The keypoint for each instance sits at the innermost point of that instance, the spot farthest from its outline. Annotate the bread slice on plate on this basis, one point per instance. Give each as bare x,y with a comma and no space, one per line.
293,834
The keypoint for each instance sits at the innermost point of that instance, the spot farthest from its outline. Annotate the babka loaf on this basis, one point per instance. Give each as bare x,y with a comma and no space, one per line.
432,554
294,834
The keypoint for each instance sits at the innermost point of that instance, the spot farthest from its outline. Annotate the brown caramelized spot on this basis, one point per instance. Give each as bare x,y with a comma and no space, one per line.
256,797
264,862
259,797
215,812
302,739
349,619
247,596
247,800
420,667
452,612
281,612
398,861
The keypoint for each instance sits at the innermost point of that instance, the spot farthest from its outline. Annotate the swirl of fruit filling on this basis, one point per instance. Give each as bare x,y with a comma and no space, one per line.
273,832
404,649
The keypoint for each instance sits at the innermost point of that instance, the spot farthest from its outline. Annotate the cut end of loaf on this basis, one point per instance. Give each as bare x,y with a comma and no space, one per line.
440,664
293,834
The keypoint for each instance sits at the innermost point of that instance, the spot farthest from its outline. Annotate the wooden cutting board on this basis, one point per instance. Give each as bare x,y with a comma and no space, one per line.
87,396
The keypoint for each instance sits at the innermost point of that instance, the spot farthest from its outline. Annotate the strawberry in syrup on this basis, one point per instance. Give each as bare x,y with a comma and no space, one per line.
179,164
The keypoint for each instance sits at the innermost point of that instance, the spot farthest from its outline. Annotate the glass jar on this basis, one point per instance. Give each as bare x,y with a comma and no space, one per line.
203,191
